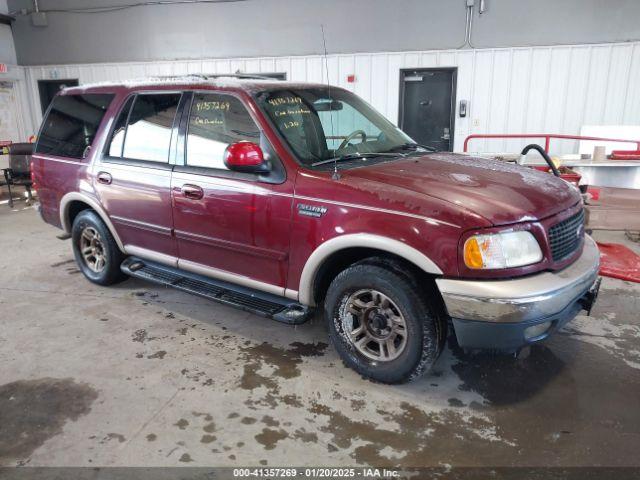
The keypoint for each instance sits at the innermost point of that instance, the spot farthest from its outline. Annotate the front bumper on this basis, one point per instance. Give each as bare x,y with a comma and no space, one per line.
499,314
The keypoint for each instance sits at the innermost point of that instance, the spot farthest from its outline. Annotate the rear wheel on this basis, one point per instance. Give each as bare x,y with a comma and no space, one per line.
95,250
380,323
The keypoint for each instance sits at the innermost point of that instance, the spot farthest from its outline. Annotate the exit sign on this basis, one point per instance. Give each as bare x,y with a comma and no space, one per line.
3,68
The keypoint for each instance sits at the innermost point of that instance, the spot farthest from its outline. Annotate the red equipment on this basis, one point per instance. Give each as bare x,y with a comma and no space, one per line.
566,174
625,155
547,138
618,261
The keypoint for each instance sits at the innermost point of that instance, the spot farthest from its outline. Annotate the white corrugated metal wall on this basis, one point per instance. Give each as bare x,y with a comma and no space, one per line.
510,90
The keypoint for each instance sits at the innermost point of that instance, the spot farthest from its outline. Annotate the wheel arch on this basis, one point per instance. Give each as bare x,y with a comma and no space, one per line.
350,248
72,203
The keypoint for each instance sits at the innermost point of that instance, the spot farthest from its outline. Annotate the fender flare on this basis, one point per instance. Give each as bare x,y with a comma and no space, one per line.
361,240
66,200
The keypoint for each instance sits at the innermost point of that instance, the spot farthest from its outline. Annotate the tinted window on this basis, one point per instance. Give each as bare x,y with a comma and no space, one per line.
148,132
117,137
72,123
216,121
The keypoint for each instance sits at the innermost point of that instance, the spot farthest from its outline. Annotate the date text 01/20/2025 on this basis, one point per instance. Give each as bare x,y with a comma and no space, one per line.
365,472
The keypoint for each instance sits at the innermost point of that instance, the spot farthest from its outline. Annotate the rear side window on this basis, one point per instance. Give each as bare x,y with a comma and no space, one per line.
143,129
71,124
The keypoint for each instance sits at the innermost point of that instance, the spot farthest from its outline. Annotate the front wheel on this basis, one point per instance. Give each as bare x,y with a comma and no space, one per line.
381,324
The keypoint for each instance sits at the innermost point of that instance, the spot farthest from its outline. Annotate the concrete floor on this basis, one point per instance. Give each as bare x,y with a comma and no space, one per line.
141,375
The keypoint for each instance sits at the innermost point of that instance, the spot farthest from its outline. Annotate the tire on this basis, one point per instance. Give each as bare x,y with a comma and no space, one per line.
102,264
378,297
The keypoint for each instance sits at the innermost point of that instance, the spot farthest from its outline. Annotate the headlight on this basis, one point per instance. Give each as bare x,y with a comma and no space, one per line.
501,250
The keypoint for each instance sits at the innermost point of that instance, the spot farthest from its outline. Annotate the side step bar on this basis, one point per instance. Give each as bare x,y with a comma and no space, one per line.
265,304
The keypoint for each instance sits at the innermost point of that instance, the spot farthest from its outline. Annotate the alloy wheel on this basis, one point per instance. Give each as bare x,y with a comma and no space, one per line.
92,250
374,325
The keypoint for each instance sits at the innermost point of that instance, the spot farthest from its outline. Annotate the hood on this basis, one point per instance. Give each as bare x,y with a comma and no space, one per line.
501,192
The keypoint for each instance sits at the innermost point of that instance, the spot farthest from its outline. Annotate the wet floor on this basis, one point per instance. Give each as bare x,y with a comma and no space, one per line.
141,375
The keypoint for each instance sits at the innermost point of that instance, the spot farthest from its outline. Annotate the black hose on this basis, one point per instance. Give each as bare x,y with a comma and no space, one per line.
540,150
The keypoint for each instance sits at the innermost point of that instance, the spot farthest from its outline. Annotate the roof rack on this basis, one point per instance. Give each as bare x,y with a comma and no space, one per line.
247,76
170,77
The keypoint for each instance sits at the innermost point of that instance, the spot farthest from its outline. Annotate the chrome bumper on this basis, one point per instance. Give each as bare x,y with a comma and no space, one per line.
519,300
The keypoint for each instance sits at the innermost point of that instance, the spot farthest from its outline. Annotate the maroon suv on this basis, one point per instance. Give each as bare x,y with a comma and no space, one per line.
280,197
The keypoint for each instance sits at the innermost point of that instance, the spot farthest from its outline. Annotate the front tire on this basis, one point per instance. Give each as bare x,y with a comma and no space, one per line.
95,250
380,323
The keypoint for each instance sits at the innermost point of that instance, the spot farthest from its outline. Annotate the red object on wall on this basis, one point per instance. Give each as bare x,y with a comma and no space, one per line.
351,78
618,261
594,192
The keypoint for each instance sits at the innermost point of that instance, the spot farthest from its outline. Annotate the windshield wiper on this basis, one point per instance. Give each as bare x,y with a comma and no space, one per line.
356,156
412,146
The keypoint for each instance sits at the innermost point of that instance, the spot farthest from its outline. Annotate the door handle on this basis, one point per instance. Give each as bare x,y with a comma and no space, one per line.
104,178
193,192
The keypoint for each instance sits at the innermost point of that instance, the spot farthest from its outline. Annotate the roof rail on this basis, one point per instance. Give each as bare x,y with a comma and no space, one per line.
178,77
248,76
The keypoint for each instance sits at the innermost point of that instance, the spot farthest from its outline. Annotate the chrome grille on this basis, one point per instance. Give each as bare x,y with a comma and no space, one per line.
567,236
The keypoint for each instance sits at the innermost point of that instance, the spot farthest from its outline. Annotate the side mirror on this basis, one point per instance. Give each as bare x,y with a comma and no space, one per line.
245,157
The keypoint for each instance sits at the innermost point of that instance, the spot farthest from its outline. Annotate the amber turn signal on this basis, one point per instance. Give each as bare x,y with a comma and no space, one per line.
472,254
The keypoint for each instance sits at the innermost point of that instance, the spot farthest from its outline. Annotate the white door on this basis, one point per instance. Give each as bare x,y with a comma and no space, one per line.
8,113
8,119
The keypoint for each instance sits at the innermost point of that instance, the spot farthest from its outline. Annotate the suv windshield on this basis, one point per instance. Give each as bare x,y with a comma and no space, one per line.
321,124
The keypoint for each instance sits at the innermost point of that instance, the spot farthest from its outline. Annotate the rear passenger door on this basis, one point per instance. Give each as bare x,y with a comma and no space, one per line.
133,177
229,225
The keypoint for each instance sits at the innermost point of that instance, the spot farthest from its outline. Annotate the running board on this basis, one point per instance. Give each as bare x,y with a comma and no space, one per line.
265,304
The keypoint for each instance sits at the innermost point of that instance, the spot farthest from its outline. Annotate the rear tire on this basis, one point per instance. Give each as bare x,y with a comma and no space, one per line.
381,324
95,250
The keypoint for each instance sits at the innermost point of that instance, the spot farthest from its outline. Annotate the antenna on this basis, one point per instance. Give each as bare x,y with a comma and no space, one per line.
336,175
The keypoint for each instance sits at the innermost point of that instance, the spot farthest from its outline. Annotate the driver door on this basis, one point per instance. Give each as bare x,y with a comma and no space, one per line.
229,225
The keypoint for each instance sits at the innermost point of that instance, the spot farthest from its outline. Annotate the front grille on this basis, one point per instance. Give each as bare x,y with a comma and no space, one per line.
567,236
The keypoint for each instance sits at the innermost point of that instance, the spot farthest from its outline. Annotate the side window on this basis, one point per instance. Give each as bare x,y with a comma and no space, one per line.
72,124
117,137
215,122
148,132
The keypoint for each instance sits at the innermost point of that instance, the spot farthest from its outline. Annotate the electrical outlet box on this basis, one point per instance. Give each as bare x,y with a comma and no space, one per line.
476,122
39,19
462,109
